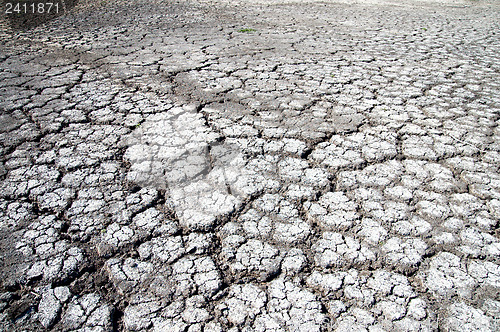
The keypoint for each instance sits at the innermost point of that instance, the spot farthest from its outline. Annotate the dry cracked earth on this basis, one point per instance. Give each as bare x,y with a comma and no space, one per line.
235,166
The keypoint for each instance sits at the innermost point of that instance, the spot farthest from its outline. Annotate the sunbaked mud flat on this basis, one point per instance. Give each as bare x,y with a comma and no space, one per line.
211,166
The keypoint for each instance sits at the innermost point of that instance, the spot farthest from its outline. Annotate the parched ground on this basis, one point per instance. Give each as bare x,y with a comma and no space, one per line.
251,166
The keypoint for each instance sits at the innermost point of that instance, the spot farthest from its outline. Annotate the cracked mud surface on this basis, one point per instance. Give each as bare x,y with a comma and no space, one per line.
228,166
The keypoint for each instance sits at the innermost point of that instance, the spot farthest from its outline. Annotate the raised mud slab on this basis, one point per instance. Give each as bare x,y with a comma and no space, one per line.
251,166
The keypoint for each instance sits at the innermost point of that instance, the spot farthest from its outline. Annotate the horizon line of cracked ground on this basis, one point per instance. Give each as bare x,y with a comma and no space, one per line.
335,169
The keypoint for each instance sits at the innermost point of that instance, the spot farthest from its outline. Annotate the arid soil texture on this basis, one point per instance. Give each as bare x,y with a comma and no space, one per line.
251,166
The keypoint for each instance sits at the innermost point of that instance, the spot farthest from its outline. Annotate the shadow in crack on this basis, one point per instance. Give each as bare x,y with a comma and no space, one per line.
27,14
